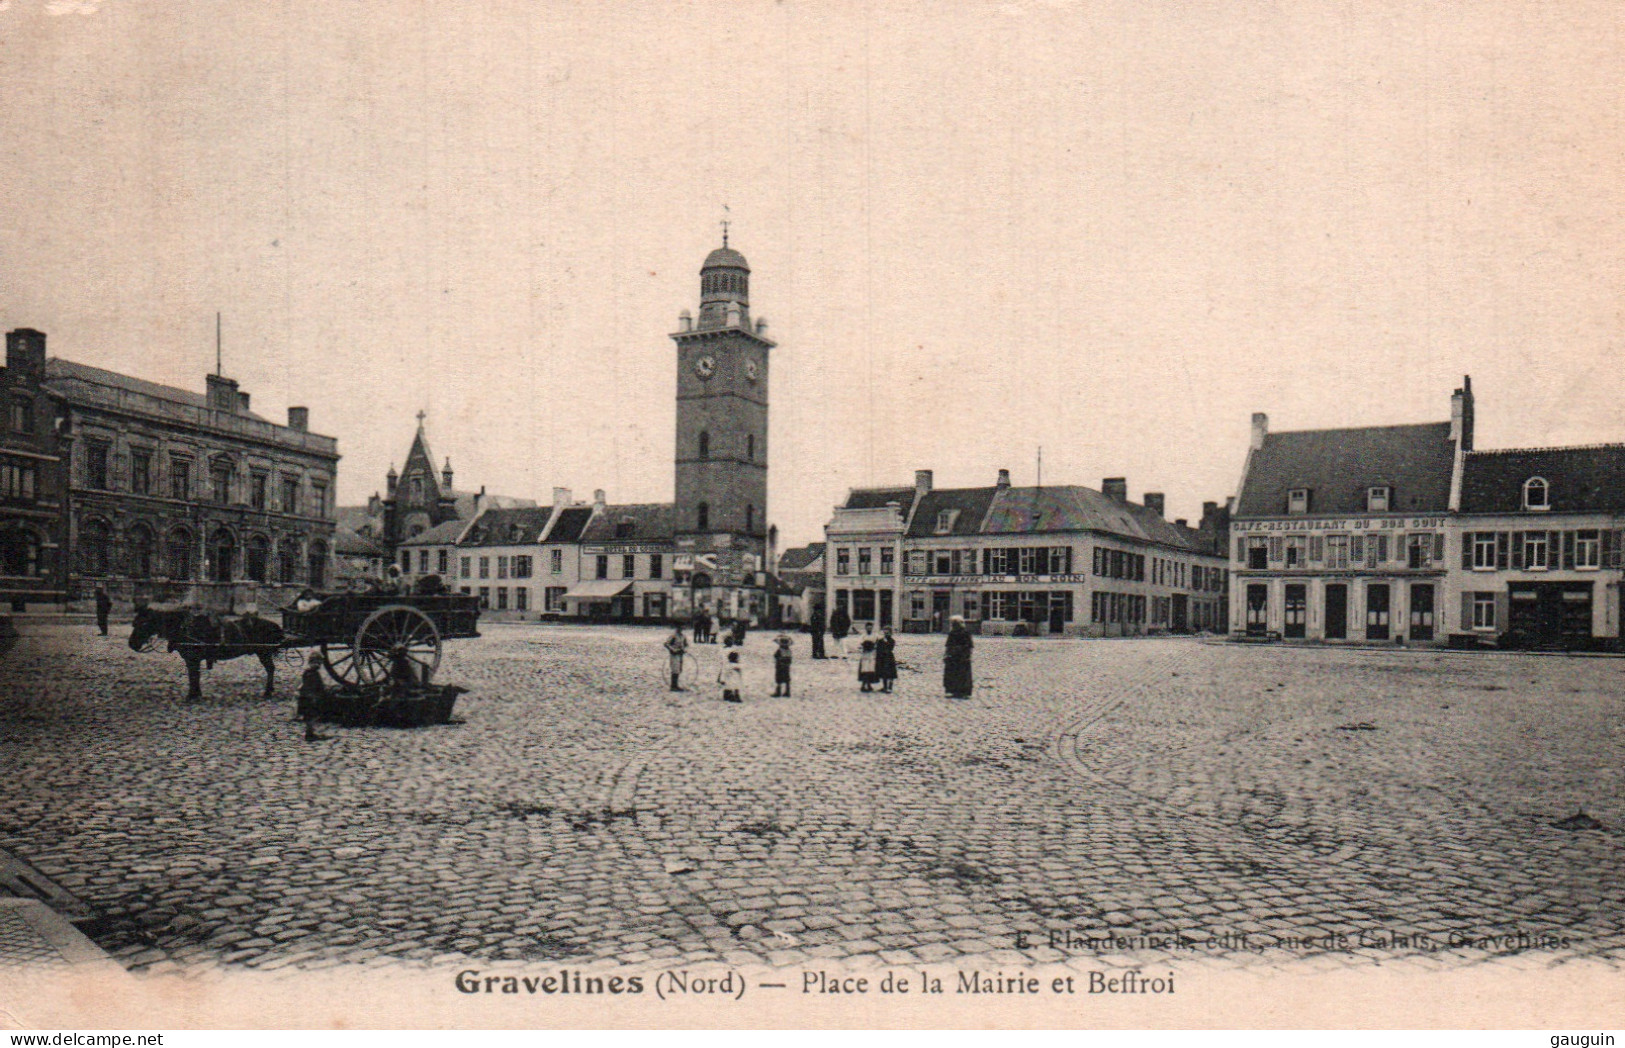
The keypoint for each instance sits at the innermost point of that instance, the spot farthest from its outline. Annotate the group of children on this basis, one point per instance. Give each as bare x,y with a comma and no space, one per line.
877,665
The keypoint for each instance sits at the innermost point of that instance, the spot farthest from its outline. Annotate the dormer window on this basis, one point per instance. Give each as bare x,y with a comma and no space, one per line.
625,527
1378,499
1297,500
1536,494
945,520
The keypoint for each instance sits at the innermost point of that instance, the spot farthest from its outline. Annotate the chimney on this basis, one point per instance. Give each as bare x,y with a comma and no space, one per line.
445,475
1209,509
1261,426
1153,502
685,321
761,327
561,497
222,393
299,418
242,402
1181,522
375,505
1115,488
598,497
479,501
1004,478
25,349
1461,414
922,482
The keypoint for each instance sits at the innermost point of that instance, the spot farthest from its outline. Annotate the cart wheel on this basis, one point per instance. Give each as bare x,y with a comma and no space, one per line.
397,630
341,664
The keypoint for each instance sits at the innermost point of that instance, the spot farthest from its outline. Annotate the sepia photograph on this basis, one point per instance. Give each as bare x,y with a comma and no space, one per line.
811,514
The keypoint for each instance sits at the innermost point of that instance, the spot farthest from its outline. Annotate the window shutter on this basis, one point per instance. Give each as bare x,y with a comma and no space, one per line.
1012,557
1503,611
1467,539
1356,548
1554,549
1610,555
1466,612
1241,550
1568,551
1517,550
1438,549
1501,538
1068,561
1275,549
1317,548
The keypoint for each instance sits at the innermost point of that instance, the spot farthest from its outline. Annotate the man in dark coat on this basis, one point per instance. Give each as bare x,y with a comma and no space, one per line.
956,673
815,626
840,624
104,607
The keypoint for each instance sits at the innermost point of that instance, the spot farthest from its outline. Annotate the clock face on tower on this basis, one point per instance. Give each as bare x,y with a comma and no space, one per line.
706,366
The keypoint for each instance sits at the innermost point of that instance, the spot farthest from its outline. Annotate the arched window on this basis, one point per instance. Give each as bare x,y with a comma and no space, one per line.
705,444
222,556
178,554
750,520
142,548
287,559
20,553
702,516
259,557
95,547
1536,494
750,447
316,565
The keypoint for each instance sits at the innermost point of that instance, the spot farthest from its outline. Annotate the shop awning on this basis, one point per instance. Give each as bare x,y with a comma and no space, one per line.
599,589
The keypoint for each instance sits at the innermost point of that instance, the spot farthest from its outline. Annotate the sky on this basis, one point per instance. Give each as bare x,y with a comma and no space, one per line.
1110,230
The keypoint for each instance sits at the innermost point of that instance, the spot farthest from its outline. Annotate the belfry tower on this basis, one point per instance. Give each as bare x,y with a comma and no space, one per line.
721,460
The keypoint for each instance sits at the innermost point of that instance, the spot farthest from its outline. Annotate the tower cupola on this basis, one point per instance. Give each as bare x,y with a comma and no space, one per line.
724,289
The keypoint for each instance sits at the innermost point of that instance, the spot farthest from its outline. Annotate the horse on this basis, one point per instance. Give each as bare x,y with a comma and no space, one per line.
200,637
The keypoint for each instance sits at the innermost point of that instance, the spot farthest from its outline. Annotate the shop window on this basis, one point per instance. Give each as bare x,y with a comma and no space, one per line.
1483,611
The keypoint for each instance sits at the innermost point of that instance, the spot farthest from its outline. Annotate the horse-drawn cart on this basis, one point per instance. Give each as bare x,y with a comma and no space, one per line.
361,635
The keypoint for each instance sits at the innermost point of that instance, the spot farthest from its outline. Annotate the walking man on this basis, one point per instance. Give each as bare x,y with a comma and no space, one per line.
815,626
104,607
676,645
840,624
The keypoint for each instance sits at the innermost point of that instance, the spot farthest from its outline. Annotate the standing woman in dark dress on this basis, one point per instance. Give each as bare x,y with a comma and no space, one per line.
886,660
956,675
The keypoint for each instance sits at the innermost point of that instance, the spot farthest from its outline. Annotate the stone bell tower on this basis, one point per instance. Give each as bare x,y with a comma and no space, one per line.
720,515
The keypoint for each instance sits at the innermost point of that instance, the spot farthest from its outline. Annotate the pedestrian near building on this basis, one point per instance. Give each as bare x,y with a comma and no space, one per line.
866,666
886,660
312,693
676,647
840,624
781,667
815,626
731,679
956,668
104,607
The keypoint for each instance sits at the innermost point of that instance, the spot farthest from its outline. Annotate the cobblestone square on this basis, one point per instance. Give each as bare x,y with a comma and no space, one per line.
1247,804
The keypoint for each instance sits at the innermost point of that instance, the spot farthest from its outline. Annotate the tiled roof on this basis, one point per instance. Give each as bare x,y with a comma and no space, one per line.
879,498
355,518
440,535
66,372
571,523
1029,511
967,506
799,557
650,521
464,502
507,527
1338,465
348,543
1578,479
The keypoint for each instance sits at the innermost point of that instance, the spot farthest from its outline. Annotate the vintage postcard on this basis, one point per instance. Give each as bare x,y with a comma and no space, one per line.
1026,513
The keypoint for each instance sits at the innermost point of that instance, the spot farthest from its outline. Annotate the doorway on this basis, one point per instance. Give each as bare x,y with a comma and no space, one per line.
1421,618
1180,615
939,611
1551,615
1296,611
1376,611
1258,602
1337,611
